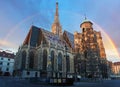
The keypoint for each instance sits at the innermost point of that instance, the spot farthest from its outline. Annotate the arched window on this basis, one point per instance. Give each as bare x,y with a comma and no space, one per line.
31,60
23,60
59,62
44,67
67,63
52,59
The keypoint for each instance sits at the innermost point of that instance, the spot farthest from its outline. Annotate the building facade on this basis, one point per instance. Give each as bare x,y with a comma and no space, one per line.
46,54
90,60
6,63
115,68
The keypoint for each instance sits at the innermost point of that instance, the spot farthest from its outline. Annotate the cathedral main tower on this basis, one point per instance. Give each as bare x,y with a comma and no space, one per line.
56,27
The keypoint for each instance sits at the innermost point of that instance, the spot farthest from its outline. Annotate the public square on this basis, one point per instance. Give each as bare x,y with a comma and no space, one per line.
16,82
60,43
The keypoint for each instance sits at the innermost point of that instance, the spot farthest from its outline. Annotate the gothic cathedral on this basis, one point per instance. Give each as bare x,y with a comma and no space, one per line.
61,54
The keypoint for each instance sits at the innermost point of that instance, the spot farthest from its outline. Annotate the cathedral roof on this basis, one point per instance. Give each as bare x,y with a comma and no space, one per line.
70,37
32,37
35,33
52,37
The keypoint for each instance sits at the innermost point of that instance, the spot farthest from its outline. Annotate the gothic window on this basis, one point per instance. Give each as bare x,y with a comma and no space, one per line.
44,41
67,63
44,67
59,62
28,73
23,60
31,60
85,54
1,63
83,29
7,69
52,59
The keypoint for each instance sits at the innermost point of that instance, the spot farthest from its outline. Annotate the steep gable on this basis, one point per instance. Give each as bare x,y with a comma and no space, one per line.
69,38
33,37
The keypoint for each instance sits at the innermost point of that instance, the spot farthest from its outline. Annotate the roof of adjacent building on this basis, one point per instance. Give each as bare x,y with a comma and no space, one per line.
116,63
7,55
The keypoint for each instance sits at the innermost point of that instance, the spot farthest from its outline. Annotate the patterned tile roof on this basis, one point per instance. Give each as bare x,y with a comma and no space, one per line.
53,38
70,37
34,35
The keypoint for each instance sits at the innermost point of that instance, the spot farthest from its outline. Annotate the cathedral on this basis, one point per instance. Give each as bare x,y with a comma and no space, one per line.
60,53
45,53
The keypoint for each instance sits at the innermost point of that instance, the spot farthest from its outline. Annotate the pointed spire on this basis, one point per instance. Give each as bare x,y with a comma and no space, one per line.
56,14
56,9
56,27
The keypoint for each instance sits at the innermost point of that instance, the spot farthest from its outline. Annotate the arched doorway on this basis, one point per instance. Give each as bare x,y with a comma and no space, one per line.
23,60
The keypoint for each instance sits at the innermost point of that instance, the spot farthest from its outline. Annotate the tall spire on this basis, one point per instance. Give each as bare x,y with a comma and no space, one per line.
56,9
56,14
56,27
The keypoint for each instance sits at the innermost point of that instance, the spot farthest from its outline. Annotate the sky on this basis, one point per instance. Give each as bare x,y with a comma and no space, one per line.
17,16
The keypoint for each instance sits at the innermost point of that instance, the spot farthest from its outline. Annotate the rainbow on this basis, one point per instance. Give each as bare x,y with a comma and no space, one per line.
110,47
19,24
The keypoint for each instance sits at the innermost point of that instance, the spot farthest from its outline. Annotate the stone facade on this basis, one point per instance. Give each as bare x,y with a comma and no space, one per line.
90,57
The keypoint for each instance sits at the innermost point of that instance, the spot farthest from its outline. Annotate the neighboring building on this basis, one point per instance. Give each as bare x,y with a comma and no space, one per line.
46,54
115,68
6,63
90,60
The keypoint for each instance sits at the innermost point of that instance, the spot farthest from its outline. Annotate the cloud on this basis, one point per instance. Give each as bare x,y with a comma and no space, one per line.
107,15
7,44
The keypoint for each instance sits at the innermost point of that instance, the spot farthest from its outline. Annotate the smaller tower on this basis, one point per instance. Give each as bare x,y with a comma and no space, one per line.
56,27
86,25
